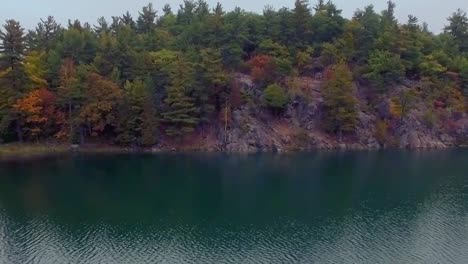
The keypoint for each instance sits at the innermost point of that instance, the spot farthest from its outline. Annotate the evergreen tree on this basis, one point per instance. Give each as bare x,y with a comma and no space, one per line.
181,115
102,26
301,20
211,90
458,29
45,36
13,79
127,20
339,101
385,69
146,19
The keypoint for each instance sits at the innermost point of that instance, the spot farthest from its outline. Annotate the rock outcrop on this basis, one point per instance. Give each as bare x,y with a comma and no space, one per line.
253,128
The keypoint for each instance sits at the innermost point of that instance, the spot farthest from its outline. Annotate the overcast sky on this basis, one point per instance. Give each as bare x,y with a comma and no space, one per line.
28,12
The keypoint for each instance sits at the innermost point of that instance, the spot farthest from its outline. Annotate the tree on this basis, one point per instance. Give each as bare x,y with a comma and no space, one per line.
275,97
458,29
79,43
340,103
101,97
102,26
39,112
365,32
301,19
146,19
45,35
263,69
385,69
137,117
70,96
327,23
12,74
211,91
181,115
35,69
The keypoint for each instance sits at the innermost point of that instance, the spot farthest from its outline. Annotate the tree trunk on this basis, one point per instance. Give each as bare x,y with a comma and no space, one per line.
70,120
19,132
82,138
225,123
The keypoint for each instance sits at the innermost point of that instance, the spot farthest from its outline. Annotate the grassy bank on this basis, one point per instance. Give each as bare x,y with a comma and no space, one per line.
27,150
33,150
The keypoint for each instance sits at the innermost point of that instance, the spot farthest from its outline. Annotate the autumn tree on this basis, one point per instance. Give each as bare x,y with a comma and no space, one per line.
101,97
263,69
39,113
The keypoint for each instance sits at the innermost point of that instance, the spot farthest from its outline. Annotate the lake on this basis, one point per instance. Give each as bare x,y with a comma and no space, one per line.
329,207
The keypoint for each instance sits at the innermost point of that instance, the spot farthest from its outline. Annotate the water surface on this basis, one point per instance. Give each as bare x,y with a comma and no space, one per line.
354,207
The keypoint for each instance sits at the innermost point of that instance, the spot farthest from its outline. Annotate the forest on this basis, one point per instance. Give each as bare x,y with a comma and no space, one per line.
135,81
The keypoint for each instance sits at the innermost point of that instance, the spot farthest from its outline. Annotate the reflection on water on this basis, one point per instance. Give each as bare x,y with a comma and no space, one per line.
354,207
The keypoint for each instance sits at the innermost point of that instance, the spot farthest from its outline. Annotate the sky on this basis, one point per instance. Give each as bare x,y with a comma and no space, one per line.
29,12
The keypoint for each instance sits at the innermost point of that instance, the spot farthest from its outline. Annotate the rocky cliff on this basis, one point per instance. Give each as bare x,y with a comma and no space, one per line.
253,128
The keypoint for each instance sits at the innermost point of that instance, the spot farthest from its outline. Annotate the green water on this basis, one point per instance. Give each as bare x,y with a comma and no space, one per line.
355,207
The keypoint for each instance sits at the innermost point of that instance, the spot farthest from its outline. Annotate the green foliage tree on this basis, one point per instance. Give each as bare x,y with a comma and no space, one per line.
45,35
211,90
181,115
340,103
301,21
275,97
137,117
458,29
13,79
327,23
146,19
385,69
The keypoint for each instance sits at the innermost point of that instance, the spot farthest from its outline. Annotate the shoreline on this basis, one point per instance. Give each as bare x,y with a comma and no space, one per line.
40,150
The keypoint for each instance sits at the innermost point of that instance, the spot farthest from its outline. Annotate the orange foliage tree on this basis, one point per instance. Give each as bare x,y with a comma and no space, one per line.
39,112
99,108
263,69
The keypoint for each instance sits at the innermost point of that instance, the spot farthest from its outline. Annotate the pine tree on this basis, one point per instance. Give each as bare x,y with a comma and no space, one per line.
458,29
127,20
210,91
301,20
146,20
13,79
181,115
339,101
45,35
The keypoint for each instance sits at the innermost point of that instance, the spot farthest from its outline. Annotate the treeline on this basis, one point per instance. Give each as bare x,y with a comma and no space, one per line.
131,80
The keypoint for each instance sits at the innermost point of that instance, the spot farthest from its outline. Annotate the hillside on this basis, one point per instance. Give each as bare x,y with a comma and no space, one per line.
201,78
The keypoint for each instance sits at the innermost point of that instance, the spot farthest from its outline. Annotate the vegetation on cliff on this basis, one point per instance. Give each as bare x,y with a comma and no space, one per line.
140,81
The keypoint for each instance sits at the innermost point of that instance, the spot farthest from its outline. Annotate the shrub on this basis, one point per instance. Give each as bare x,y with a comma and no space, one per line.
275,97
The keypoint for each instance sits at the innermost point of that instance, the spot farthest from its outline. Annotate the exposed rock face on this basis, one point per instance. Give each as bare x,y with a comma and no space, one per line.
255,129
413,134
250,134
